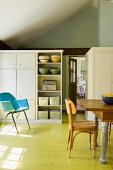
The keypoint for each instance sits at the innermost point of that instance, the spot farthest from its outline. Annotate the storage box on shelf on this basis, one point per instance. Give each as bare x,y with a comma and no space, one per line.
43,101
54,114
49,83
54,100
46,101
43,114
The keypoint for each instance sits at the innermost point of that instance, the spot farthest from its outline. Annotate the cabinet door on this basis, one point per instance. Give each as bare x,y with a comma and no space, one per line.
102,74
26,60
8,81
7,84
30,113
26,84
7,60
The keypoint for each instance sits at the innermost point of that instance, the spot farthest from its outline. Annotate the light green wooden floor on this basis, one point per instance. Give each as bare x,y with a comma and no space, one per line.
43,147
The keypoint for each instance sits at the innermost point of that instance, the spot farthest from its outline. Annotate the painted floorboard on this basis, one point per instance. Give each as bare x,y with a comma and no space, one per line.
43,147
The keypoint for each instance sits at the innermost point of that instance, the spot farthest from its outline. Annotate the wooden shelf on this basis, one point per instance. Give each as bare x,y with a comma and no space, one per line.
49,63
49,75
50,105
57,91
46,93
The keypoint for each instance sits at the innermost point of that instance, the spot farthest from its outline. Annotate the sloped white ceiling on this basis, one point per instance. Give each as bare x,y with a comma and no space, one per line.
24,20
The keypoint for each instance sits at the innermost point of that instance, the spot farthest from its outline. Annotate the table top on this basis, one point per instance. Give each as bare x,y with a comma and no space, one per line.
95,105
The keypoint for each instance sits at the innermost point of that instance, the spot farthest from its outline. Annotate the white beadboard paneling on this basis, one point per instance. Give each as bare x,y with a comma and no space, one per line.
99,73
102,74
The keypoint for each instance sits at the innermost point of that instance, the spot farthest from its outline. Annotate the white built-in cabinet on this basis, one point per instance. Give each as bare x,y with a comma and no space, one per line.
8,72
26,81
19,76
99,73
45,93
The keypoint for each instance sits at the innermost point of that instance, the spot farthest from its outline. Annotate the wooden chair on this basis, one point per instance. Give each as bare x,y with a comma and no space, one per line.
79,126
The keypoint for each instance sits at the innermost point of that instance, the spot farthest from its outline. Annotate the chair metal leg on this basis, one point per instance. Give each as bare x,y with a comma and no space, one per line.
26,119
15,123
17,117
4,121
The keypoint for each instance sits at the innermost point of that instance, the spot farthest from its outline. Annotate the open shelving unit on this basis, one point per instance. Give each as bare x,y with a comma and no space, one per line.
48,93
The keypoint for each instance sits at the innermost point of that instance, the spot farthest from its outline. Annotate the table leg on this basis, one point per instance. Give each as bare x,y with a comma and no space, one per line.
104,141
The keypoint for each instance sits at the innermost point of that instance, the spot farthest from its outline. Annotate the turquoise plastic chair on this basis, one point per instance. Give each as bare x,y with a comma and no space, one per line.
11,105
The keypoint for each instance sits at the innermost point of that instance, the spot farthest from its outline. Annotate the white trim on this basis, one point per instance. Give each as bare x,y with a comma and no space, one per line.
36,51
67,71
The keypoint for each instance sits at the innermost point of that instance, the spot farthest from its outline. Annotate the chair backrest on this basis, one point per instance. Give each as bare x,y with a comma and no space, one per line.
9,97
6,97
71,109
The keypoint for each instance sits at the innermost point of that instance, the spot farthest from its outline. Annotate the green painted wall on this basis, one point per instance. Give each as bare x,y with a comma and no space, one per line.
80,31
105,23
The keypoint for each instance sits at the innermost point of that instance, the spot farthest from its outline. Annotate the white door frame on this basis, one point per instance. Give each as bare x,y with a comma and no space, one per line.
67,72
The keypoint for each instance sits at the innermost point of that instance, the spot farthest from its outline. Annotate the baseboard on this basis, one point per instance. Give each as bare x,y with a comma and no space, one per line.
49,121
